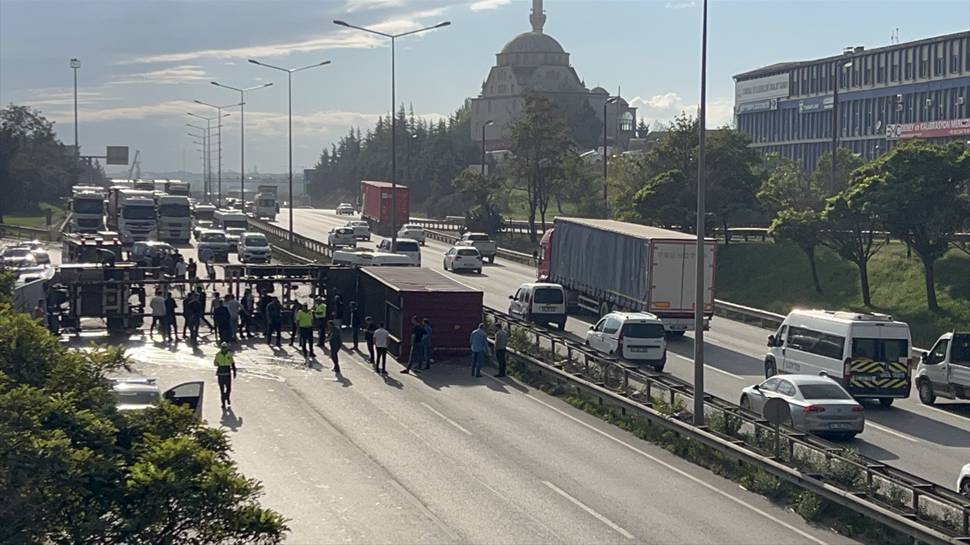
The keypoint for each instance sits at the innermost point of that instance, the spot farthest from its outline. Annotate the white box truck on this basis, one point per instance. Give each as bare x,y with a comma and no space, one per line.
607,265
174,218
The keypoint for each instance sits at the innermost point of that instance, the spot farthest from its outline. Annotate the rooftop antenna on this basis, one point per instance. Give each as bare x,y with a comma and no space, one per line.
895,36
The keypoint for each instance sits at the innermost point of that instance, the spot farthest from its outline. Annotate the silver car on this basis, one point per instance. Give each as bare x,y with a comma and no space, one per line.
817,404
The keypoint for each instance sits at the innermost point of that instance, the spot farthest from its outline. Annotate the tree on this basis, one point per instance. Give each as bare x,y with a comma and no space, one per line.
915,192
846,161
481,193
801,227
75,470
851,230
540,139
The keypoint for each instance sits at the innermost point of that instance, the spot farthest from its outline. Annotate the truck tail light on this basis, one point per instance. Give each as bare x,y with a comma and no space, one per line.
814,409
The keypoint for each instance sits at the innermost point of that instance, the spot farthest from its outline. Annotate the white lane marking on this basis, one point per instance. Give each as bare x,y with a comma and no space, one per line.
711,367
445,418
884,429
680,472
589,510
917,408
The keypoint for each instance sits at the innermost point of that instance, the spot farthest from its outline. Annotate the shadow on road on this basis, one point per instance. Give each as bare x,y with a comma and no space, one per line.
230,420
919,426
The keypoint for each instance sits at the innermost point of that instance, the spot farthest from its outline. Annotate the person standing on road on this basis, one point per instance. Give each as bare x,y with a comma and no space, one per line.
479,345
200,293
320,318
233,307
369,328
247,306
192,269
336,342
381,338
501,342
417,344
210,269
338,310
192,310
181,270
157,304
220,315
354,324
289,317
274,322
428,347
225,373
171,322
304,321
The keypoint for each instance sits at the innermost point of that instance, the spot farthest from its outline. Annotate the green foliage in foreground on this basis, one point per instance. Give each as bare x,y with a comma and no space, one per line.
74,470
776,277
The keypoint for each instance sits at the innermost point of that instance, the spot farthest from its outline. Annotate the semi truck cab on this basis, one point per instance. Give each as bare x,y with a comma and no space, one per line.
174,218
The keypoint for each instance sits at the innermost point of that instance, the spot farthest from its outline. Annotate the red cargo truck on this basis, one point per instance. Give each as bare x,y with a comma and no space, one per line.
376,206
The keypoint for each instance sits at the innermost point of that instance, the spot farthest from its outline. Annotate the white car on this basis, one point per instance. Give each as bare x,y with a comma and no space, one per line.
412,231
539,302
817,404
345,209
463,258
212,244
963,481
342,236
41,257
637,337
135,394
361,229
254,247
406,246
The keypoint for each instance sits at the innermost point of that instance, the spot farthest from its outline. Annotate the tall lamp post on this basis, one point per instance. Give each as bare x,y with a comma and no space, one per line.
206,156
484,125
700,293
205,179
837,79
219,139
208,124
610,100
289,87
242,135
407,176
393,37
75,65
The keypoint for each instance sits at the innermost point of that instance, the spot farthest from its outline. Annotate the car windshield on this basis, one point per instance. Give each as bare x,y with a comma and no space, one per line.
213,237
548,296
174,210
477,238
823,391
139,213
643,331
204,214
137,397
88,206
16,252
404,246
468,252
256,241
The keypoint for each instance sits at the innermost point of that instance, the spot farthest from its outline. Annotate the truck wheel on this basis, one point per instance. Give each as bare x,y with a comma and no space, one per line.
926,394
770,368
886,402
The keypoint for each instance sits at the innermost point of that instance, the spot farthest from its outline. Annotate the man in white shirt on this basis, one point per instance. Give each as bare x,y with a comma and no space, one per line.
381,339
157,305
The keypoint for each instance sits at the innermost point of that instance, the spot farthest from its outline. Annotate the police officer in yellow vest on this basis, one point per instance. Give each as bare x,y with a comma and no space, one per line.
304,321
320,319
225,373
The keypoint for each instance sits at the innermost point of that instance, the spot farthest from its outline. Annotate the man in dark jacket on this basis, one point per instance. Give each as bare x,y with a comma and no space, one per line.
221,317
274,321
193,316
171,325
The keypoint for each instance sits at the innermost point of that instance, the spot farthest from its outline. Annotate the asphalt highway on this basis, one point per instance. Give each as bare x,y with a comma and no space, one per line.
931,442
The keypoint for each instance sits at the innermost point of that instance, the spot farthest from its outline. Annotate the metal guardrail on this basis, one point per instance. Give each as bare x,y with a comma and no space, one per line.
918,508
299,241
511,255
21,231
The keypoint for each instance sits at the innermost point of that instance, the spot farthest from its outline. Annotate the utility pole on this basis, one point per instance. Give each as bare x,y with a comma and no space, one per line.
699,288
75,64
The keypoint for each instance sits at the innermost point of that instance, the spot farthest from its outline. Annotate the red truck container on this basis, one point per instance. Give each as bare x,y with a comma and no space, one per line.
376,206
393,295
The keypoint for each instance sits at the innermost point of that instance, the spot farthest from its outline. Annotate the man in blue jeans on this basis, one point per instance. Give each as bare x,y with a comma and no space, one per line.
479,345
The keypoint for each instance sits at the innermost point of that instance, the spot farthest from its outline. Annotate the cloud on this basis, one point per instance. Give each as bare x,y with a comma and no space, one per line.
488,4
680,5
126,113
358,5
173,75
663,108
338,39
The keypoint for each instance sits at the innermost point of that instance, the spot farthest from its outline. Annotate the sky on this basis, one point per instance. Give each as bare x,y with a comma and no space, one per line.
144,62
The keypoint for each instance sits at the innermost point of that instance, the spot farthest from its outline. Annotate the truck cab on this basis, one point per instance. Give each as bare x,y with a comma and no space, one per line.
90,249
136,216
266,206
944,371
174,218
87,210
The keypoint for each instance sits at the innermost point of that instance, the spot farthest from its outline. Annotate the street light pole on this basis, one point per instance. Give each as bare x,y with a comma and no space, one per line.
219,139
289,92
207,154
700,294
486,124
75,64
407,176
835,115
242,134
610,100
208,124
393,38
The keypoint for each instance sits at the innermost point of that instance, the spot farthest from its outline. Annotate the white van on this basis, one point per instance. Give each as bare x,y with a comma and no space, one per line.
539,302
637,337
254,247
944,371
406,246
869,354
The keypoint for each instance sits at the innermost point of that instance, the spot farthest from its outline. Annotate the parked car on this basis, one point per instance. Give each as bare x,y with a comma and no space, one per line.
539,302
637,337
485,246
817,404
15,253
41,256
944,371
867,353
463,258
963,481
342,236
406,246
212,244
412,231
361,229
135,394
145,252
254,247
346,209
